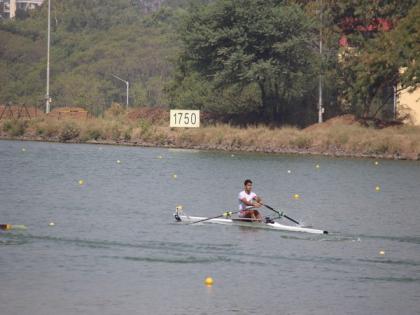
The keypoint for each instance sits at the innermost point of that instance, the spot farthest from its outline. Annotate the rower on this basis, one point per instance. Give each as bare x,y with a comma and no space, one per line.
248,201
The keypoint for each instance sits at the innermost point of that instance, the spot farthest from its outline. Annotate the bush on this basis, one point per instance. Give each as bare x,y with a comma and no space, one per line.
127,134
301,141
219,137
91,133
69,131
15,127
115,132
94,133
115,111
160,138
40,130
51,129
146,129
7,125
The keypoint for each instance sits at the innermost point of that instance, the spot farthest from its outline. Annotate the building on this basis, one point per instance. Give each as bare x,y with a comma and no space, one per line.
8,8
405,103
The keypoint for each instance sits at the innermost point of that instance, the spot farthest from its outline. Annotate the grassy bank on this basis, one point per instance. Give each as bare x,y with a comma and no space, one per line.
337,137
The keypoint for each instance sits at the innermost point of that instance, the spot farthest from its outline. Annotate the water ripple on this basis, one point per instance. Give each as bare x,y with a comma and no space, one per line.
173,260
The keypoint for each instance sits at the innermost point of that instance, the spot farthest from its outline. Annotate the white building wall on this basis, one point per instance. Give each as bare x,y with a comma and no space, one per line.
12,9
8,7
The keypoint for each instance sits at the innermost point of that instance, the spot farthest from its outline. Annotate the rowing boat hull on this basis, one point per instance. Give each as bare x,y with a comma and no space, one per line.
261,225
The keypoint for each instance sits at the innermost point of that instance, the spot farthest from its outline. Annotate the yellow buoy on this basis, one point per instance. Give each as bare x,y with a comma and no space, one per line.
376,163
296,196
317,166
174,176
23,150
377,188
81,182
51,224
208,281
381,252
159,156
118,162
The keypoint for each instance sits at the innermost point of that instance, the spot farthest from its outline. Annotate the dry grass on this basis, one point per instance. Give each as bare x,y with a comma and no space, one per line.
339,137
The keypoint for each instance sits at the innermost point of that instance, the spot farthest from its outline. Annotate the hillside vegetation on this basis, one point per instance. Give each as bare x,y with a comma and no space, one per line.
90,41
245,61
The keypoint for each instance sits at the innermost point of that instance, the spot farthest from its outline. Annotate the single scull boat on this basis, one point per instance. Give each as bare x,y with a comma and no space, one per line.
273,225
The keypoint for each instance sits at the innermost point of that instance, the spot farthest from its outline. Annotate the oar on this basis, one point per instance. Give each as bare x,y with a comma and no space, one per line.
281,214
225,214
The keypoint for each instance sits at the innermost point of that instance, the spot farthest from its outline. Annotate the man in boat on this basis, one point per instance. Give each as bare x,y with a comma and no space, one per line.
248,200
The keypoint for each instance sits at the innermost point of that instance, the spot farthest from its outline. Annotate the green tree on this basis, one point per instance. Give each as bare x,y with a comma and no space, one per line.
245,43
90,41
383,38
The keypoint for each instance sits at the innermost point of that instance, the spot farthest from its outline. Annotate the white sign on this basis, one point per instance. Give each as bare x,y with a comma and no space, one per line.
186,118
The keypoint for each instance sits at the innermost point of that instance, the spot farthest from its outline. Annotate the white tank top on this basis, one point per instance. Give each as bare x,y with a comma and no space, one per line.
243,195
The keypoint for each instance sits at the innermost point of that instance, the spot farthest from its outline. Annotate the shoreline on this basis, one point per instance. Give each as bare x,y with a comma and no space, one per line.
311,151
341,136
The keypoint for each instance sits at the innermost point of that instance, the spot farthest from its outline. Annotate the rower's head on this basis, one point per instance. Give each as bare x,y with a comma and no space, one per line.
248,185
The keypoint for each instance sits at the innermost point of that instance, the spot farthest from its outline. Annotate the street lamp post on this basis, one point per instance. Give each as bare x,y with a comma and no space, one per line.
47,96
320,105
126,83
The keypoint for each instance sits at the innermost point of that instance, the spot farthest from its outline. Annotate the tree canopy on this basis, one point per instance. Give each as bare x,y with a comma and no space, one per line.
262,46
383,39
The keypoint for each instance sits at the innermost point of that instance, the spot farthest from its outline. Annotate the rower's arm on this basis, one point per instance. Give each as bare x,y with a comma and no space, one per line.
251,203
258,202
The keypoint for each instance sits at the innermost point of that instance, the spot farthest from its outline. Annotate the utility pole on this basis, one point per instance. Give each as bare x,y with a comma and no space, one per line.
47,96
127,84
320,106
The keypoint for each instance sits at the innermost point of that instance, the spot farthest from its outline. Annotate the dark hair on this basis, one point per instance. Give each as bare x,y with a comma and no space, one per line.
247,181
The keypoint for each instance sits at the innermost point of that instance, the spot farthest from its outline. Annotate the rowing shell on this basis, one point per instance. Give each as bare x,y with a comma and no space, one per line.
250,223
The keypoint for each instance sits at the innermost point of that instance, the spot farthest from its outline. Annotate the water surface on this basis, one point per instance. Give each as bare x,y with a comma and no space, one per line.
115,248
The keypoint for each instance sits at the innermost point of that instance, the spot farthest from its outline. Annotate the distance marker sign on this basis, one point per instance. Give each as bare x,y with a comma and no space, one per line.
186,118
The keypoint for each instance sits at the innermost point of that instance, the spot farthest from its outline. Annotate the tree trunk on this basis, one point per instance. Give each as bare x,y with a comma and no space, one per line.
270,102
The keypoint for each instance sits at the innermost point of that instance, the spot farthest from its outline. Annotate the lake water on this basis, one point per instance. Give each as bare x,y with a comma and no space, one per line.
115,248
